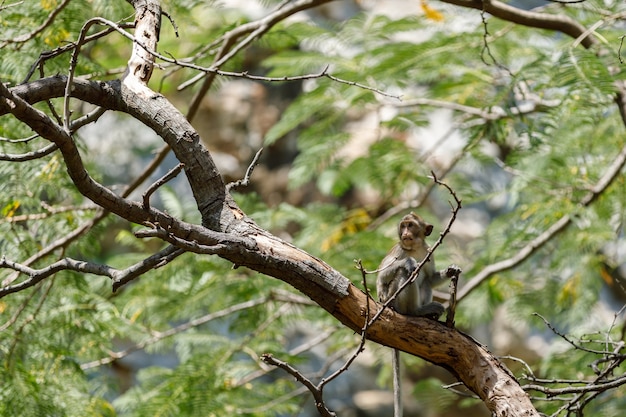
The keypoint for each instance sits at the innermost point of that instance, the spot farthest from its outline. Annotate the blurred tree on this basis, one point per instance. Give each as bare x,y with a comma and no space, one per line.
521,113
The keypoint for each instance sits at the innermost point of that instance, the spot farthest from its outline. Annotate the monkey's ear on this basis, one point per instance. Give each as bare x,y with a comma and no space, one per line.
428,230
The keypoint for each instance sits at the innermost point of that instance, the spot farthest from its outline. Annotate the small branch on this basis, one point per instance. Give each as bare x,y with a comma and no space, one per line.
155,261
315,391
92,116
119,277
37,275
454,281
560,23
304,347
47,150
24,140
170,175
246,179
567,339
362,86
29,156
59,243
492,114
44,56
190,246
228,40
50,211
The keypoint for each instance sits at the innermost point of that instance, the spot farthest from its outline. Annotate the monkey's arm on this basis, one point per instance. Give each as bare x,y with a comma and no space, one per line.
428,307
439,277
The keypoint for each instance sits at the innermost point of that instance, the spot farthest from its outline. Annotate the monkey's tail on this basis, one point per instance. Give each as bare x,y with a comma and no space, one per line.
397,390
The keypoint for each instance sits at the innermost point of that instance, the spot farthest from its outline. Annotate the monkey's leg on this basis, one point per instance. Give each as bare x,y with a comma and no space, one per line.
397,389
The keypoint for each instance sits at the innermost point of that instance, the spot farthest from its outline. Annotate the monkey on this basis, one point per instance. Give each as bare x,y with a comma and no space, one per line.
398,265
416,299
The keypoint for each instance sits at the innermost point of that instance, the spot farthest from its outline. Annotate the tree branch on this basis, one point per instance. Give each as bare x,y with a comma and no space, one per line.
118,276
537,20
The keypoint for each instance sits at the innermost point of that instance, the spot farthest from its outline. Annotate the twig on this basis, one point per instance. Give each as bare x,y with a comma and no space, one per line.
246,179
191,246
256,29
452,302
70,76
567,339
30,35
29,156
44,56
50,211
315,391
171,174
23,140
119,277
171,19
318,390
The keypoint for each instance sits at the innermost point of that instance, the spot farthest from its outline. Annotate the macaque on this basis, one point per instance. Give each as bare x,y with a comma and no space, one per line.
416,299
395,269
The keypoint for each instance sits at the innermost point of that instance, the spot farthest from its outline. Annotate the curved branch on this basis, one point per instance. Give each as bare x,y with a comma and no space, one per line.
537,20
29,156
258,28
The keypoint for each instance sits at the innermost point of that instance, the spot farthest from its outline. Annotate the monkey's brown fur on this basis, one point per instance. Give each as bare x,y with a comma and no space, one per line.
417,298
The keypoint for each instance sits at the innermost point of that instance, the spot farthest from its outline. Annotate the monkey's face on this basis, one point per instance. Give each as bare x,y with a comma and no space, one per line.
412,230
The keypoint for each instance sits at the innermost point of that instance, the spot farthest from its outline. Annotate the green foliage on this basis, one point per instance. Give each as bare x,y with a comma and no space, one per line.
552,132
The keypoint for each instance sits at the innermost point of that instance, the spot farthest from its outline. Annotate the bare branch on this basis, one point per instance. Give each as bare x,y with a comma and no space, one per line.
50,211
170,175
454,281
315,391
533,19
44,56
493,113
119,277
246,179
24,140
29,156
254,30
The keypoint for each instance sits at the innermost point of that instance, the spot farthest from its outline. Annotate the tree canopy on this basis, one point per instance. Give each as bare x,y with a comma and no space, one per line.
194,195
